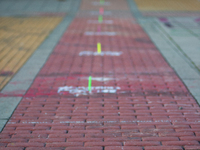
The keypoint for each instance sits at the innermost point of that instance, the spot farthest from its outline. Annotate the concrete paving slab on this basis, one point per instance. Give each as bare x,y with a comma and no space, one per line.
188,45
2,124
197,97
193,85
36,7
7,106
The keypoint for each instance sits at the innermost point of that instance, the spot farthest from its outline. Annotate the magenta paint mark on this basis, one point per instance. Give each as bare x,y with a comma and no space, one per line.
163,19
101,11
166,22
19,93
99,28
197,19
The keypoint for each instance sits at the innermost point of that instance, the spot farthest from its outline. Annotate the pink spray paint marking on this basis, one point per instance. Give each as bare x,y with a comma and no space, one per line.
99,28
101,11
163,20
197,19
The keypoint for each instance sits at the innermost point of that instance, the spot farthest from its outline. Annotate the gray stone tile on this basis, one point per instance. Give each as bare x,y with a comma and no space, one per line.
7,106
197,97
181,50
21,7
193,86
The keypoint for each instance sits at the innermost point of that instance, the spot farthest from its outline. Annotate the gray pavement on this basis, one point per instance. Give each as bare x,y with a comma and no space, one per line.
179,44
29,7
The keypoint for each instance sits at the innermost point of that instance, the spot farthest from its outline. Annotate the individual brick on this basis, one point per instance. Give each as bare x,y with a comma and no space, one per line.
123,148
102,135
11,148
13,140
66,135
163,148
91,144
190,138
64,144
84,139
122,139
180,143
47,140
141,143
30,135
26,144
45,148
192,147
160,139
85,148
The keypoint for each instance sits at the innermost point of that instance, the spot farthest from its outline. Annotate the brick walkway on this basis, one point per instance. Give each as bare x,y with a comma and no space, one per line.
137,101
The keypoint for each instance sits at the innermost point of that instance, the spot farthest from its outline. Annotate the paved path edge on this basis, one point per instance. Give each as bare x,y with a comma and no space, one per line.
26,75
188,74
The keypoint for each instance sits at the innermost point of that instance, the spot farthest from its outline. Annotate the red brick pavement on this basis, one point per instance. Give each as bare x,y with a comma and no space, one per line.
152,110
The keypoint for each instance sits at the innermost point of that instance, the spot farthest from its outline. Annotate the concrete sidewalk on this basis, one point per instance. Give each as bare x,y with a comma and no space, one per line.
145,77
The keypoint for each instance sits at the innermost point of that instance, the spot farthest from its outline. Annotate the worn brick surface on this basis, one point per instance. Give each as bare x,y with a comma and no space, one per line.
151,109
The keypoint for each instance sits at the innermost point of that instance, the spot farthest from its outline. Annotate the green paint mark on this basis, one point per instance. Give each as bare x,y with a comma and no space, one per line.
100,18
102,2
89,83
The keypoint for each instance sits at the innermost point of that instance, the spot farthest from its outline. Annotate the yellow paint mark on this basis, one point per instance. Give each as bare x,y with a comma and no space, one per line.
19,38
99,48
168,5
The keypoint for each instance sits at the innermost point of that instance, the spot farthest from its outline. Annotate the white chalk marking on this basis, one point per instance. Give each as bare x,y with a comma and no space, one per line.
100,79
104,53
97,3
84,90
91,33
97,22
97,122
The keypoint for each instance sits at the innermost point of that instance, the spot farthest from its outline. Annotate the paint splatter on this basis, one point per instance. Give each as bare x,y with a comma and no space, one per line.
84,90
166,22
96,21
168,25
102,79
101,11
89,83
197,19
105,53
97,13
163,20
97,3
90,33
99,48
100,18
99,29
